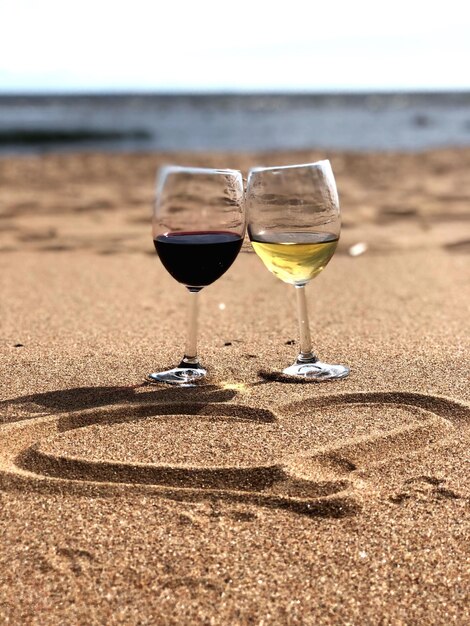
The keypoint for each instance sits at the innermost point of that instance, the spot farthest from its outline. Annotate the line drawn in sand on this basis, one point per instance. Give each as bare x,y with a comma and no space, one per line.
298,474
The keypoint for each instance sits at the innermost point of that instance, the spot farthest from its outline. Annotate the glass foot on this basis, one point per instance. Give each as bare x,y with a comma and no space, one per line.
316,371
182,376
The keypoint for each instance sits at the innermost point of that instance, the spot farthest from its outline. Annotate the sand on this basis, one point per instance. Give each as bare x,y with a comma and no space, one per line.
248,500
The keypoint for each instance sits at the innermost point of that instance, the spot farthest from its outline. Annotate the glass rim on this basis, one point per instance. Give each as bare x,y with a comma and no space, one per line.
315,164
166,169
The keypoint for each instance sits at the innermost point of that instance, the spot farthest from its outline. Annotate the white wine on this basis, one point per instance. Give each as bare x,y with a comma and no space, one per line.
295,257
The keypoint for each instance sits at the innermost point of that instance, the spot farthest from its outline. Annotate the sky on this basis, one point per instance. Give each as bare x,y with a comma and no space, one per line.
207,45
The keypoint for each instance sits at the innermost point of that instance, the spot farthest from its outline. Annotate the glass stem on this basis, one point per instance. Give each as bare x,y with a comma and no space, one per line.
306,350
190,352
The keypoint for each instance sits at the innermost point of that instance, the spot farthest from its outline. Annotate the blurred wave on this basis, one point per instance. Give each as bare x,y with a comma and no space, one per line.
398,121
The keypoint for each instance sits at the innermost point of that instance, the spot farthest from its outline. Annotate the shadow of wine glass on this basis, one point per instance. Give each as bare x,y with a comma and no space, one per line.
82,398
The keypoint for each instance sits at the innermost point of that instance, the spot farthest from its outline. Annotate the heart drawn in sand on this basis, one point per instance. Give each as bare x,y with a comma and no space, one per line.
226,450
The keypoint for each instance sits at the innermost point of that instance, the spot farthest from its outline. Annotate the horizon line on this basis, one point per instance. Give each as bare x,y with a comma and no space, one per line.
233,92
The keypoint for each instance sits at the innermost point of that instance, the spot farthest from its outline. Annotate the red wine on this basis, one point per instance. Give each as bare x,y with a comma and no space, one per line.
197,259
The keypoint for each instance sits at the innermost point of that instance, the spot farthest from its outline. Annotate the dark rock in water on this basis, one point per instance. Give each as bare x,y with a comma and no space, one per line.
421,120
39,136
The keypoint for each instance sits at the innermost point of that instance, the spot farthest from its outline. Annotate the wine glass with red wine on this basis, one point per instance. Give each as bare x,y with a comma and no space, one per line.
198,229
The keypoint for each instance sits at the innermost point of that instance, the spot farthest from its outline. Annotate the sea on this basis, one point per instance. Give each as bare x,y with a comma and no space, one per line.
36,124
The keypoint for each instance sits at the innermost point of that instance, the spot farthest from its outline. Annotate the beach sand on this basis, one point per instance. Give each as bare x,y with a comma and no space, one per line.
248,500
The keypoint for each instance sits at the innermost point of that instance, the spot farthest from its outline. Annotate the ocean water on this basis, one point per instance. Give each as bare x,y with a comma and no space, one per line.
37,124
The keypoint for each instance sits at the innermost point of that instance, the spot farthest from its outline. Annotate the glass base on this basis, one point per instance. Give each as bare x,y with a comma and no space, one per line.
185,375
316,370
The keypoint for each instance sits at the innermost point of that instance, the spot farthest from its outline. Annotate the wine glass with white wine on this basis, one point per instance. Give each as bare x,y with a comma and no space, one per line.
294,224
